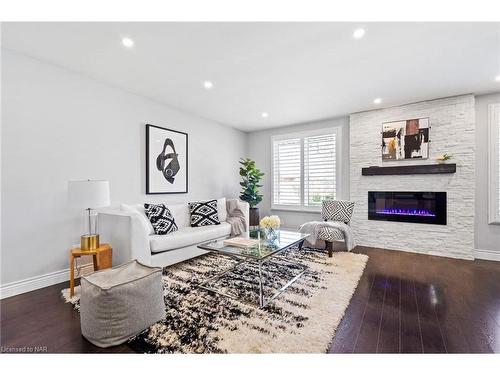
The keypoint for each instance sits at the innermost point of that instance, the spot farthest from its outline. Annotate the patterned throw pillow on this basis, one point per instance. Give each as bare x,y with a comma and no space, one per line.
337,211
161,218
204,213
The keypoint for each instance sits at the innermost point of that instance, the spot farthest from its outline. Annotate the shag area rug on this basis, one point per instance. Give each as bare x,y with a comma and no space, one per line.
301,320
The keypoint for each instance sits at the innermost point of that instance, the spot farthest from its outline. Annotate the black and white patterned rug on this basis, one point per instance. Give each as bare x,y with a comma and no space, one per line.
301,320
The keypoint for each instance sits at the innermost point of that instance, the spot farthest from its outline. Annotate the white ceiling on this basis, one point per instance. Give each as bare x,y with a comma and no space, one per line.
297,72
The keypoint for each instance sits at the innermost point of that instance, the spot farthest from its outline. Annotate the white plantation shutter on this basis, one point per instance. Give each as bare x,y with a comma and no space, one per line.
304,169
319,169
287,172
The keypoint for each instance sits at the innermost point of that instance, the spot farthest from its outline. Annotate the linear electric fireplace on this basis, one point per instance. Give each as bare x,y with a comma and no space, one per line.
407,206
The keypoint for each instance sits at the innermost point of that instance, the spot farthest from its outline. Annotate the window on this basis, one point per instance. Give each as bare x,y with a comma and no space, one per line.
494,163
304,169
287,172
319,169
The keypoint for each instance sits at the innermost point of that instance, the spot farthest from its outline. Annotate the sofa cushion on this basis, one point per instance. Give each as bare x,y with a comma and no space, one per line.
204,213
161,218
188,236
180,211
222,209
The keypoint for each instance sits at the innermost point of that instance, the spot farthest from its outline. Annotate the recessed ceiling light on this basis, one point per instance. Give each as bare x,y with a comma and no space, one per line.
377,100
264,115
208,85
497,78
358,33
127,42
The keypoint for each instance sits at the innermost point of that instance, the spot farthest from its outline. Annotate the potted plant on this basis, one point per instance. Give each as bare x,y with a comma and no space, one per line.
441,159
251,177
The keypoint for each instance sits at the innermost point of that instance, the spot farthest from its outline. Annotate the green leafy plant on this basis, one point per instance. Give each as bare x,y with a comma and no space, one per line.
316,198
251,177
444,157
447,157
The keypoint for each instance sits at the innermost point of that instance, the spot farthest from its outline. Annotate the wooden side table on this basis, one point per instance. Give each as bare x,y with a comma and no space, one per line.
102,257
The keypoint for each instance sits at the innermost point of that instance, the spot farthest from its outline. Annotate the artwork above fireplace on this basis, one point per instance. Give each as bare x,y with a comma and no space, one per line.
403,140
407,206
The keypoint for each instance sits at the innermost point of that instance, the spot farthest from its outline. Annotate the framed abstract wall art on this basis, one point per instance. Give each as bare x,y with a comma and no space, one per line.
166,161
405,140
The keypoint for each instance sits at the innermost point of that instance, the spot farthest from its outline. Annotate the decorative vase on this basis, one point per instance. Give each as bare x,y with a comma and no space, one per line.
271,235
254,216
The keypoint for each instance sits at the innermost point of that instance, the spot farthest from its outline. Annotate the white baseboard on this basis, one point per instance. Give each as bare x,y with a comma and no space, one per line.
487,254
33,283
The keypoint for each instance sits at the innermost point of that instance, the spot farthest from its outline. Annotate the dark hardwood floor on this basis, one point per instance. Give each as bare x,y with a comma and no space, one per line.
413,303
404,303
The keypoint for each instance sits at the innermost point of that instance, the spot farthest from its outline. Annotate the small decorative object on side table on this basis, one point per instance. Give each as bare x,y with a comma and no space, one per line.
102,256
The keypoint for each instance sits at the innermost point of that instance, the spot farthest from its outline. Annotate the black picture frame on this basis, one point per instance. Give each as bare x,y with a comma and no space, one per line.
153,186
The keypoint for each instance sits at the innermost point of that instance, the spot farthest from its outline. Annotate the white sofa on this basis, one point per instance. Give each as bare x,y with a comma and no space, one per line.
132,237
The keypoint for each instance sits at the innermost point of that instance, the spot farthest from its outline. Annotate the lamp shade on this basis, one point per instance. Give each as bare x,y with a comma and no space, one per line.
88,194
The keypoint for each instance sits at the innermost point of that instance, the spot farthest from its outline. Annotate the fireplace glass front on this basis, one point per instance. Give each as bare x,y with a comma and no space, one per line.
407,206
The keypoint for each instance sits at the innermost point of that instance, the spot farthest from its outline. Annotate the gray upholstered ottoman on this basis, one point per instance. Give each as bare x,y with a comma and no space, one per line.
120,302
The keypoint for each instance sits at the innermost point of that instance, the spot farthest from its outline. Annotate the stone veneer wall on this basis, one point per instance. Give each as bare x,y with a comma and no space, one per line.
452,123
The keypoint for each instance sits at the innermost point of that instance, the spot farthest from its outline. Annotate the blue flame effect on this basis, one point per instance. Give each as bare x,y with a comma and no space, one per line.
405,212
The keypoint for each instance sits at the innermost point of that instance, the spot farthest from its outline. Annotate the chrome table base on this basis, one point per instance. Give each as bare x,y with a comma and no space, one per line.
262,302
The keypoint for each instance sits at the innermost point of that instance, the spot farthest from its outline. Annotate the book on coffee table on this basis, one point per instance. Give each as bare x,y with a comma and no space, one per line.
241,242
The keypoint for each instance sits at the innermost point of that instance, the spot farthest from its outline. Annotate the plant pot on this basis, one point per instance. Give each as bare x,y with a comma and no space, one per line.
254,216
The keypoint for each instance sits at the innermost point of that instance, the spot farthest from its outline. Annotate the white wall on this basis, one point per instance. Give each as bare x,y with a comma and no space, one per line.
59,126
487,236
259,149
452,132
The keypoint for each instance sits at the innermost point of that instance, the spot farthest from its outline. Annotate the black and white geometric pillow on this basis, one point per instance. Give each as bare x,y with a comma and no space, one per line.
161,218
337,210
204,213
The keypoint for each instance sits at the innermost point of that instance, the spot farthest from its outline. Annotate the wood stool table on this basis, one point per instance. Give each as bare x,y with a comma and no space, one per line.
102,257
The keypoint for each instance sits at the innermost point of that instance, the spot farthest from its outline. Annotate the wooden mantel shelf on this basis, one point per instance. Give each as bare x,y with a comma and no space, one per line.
410,169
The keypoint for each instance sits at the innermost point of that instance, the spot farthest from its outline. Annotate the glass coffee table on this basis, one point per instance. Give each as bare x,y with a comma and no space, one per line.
259,253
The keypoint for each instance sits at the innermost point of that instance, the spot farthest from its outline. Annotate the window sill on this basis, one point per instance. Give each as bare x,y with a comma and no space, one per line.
312,210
